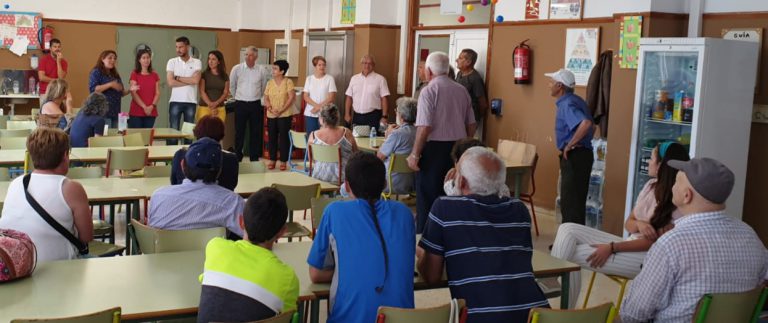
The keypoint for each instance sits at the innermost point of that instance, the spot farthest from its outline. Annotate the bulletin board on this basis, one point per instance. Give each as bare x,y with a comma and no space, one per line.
20,24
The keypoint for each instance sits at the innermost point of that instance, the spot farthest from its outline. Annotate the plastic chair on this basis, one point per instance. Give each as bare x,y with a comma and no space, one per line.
101,228
598,314
5,175
13,143
20,125
111,315
439,314
102,249
286,317
4,121
34,113
152,240
522,153
247,167
106,141
126,160
157,171
147,134
731,307
325,153
15,132
621,280
398,163
298,198
528,196
134,140
318,207
187,128
85,172
29,166
298,141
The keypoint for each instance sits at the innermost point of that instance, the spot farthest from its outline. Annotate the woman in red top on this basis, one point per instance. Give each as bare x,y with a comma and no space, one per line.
144,104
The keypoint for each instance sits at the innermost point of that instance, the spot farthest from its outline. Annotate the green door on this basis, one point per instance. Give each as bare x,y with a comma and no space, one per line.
162,43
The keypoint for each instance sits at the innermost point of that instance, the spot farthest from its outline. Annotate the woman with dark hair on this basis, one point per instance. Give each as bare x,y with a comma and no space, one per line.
330,133
105,79
278,100
144,104
319,90
214,87
365,246
651,217
89,122
211,127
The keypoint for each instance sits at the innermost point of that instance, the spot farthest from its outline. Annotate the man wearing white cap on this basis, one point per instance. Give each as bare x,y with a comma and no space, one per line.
573,131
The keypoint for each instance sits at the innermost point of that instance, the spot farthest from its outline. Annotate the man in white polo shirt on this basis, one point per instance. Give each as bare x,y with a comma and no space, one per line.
183,74
367,96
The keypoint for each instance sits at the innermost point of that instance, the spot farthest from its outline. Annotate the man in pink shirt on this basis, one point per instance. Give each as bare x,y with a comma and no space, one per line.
367,96
444,116
51,67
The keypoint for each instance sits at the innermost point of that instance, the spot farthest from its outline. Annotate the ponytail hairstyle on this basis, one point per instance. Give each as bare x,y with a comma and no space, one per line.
365,175
665,179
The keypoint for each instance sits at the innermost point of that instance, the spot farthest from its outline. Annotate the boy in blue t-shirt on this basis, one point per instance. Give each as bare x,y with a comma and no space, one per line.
364,247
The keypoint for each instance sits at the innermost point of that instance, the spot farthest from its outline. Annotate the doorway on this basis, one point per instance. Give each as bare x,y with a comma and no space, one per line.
450,42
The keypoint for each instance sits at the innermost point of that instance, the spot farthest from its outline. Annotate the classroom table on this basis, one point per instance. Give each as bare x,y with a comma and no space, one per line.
170,133
364,144
15,157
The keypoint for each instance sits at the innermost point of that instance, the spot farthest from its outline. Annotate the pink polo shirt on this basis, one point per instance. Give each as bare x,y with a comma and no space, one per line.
367,91
445,106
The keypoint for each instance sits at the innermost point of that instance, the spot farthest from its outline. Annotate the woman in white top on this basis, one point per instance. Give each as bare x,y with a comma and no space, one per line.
319,90
63,199
652,216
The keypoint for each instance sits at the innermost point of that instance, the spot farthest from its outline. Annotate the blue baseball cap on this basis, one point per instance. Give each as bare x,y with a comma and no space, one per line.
205,153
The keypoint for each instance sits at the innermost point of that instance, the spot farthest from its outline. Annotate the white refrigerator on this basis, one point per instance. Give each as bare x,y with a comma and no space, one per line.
699,92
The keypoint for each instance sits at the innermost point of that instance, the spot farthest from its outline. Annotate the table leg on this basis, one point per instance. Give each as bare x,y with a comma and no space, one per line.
300,310
564,289
314,309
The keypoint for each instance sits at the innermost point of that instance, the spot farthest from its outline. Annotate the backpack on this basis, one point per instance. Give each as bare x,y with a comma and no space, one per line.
18,256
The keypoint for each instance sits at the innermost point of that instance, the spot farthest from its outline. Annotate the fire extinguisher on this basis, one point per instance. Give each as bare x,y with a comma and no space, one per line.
44,37
521,61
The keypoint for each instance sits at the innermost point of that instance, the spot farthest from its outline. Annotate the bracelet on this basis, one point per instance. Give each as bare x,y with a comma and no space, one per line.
414,156
613,251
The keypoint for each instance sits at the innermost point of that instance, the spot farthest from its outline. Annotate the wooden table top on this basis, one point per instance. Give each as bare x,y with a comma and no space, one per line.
169,133
12,157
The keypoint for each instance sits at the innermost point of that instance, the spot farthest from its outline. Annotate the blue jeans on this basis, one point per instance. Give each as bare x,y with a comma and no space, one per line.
311,124
141,122
175,113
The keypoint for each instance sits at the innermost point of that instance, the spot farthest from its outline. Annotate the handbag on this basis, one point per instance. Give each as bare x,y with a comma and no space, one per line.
18,256
82,247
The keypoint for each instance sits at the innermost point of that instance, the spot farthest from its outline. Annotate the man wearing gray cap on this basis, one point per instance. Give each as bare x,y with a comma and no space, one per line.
707,251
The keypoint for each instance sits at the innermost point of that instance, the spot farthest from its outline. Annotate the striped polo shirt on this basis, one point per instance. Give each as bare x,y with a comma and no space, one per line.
486,244
244,282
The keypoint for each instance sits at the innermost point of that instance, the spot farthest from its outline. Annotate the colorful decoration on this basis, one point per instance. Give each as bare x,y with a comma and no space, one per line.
494,1
20,24
461,19
532,9
499,18
484,2
470,7
348,11
7,6
629,39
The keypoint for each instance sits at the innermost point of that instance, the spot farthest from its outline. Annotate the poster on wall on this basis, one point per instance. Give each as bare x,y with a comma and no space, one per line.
754,35
565,9
20,27
581,45
348,9
629,41
532,9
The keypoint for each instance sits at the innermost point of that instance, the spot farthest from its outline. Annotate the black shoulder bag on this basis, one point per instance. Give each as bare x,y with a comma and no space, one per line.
82,248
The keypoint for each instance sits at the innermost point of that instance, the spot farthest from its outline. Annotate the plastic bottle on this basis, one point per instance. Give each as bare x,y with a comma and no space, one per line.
677,113
372,137
31,88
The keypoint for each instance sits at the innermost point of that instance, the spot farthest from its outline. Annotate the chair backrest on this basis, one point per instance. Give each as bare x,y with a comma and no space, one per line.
4,121
85,172
285,317
187,128
731,307
134,140
25,124
298,139
318,207
439,314
327,154
106,141
157,171
13,143
113,132
5,176
34,113
299,197
598,314
15,132
152,240
147,134
29,166
111,315
518,152
255,167
126,159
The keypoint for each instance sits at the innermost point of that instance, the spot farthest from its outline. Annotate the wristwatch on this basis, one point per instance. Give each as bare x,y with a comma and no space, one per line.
414,156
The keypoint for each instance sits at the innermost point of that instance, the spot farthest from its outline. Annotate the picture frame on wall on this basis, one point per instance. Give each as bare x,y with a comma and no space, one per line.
566,9
581,52
533,9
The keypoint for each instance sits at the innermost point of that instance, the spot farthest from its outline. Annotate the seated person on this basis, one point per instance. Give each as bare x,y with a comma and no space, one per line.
652,217
211,127
58,101
197,202
399,140
89,122
243,280
330,133
449,183
708,251
483,239
64,200
364,247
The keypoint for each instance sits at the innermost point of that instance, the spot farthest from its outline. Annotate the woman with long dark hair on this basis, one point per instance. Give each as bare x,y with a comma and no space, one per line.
144,104
214,87
651,217
105,79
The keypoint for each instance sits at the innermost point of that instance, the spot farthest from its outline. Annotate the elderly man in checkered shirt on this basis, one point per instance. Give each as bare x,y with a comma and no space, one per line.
707,251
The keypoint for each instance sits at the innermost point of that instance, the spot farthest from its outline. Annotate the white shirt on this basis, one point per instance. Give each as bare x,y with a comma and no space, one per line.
247,83
367,91
318,89
180,68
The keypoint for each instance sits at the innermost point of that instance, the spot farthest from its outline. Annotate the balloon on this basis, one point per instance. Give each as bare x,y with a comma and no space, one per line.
484,2
494,1
7,6
461,19
470,7
499,18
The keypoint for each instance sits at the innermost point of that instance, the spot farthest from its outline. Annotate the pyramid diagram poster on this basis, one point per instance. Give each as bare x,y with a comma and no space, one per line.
581,46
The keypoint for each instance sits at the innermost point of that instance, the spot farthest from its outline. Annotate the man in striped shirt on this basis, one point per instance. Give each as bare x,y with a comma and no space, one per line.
484,239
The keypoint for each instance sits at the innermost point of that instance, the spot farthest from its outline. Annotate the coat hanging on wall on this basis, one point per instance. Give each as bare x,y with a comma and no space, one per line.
599,91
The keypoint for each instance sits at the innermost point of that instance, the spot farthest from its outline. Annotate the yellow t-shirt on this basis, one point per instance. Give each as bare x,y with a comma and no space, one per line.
278,95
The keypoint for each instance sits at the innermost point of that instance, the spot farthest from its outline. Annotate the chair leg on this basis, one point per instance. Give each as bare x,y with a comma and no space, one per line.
623,284
533,213
589,289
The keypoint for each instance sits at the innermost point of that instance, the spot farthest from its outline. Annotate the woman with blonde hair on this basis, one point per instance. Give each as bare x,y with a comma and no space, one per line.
56,97
319,90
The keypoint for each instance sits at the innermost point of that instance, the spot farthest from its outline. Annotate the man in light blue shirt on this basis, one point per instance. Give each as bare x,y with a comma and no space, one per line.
198,202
